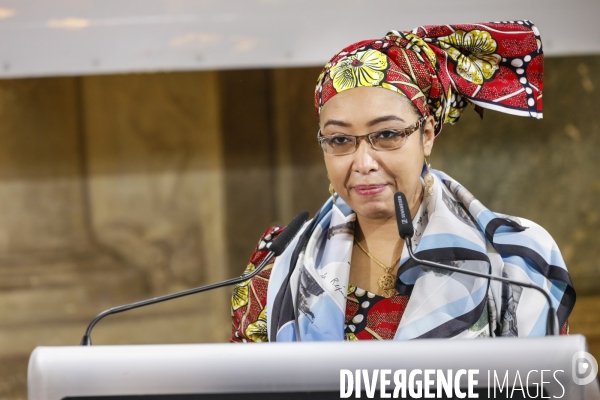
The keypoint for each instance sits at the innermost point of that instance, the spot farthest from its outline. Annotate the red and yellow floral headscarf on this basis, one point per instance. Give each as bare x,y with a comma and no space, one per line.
442,68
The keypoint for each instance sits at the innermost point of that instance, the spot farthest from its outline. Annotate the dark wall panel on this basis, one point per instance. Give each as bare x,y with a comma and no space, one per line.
248,161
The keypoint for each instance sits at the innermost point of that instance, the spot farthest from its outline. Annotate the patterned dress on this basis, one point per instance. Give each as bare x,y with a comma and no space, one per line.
368,315
372,317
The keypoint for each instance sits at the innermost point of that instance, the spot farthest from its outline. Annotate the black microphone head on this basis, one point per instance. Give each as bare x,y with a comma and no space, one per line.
281,242
403,218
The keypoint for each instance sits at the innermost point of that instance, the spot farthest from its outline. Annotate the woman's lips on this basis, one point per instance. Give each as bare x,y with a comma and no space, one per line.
369,190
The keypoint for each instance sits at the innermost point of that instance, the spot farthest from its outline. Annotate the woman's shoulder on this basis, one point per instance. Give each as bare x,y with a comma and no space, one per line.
531,234
528,224
249,299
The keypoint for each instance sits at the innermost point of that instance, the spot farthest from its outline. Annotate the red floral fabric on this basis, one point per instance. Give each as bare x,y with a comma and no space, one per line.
249,299
372,317
443,68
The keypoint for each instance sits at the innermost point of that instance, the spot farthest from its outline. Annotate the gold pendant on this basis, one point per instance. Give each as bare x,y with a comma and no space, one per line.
386,281
387,293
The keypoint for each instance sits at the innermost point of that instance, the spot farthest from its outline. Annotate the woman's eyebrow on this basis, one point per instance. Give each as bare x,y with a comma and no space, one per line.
375,121
336,123
385,118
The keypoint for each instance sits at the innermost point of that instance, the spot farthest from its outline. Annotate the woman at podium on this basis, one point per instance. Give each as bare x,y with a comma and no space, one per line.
380,105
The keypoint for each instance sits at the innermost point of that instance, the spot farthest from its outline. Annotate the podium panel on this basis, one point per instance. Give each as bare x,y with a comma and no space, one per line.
317,370
481,392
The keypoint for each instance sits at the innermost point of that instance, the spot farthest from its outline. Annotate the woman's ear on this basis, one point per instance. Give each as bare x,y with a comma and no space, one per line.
428,135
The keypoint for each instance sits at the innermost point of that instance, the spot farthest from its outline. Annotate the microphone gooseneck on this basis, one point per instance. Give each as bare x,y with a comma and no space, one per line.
404,219
277,246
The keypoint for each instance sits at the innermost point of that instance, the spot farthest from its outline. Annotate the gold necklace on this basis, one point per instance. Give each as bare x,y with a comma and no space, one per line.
387,281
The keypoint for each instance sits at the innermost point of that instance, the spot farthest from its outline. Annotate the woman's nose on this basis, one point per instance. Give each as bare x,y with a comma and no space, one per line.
364,160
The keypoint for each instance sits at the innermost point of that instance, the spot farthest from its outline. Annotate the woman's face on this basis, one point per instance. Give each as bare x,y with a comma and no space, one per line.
367,179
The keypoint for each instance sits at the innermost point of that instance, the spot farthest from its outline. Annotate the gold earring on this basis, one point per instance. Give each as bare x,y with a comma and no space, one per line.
428,179
332,192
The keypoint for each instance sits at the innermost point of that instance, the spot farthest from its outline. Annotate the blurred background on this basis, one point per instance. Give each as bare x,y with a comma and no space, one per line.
146,145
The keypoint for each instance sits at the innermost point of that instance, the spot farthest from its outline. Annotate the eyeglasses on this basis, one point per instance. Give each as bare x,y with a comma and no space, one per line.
384,140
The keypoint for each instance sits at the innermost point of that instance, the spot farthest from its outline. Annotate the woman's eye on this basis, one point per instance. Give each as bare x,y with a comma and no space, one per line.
339,140
388,135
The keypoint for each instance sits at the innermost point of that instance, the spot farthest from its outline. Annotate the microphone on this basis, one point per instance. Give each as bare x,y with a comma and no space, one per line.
406,231
405,226
277,246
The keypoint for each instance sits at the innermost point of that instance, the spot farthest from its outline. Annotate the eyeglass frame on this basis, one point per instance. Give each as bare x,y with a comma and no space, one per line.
409,130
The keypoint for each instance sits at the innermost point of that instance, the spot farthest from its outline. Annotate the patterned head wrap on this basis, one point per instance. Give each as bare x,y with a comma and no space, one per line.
442,68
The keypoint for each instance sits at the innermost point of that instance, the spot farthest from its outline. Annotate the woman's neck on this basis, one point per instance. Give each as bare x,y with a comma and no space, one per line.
379,238
381,235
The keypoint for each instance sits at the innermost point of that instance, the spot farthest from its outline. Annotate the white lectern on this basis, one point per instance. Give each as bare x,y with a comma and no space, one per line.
296,370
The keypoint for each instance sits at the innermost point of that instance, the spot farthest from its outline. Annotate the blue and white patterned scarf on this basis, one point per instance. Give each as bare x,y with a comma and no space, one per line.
306,298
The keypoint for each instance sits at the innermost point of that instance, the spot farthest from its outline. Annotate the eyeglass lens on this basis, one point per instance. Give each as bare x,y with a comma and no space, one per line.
387,139
383,140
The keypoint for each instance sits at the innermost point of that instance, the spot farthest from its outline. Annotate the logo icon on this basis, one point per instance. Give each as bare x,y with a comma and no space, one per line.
585,368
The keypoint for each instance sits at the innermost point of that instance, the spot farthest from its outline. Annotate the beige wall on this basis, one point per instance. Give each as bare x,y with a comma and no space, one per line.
117,188
112,191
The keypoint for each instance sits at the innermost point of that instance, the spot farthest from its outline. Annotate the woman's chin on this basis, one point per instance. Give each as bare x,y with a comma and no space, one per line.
375,210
